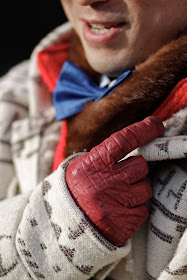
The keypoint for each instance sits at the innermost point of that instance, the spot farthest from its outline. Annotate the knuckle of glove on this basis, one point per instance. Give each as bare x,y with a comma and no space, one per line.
78,168
131,170
137,169
139,193
143,166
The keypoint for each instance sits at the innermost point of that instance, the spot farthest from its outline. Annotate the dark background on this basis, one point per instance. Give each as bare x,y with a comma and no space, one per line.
22,25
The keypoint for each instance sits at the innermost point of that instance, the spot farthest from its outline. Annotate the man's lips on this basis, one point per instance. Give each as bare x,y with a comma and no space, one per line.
99,32
106,24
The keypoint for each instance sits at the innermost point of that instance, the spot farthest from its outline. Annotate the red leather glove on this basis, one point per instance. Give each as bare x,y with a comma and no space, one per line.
112,194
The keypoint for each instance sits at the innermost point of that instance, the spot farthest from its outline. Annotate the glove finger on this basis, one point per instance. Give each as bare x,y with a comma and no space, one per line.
136,195
123,142
119,224
136,216
139,193
131,170
130,222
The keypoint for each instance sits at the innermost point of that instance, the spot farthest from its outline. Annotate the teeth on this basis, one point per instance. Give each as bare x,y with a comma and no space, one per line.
100,28
100,31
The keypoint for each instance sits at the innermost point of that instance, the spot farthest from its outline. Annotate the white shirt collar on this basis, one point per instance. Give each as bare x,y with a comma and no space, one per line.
106,82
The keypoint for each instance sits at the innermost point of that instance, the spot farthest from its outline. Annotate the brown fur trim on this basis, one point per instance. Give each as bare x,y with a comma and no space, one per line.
132,101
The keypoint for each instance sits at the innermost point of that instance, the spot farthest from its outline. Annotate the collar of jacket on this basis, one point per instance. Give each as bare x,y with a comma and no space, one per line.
132,101
34,148
137,98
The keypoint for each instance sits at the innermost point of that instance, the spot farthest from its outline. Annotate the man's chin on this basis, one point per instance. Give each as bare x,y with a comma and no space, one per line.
109,61
107,67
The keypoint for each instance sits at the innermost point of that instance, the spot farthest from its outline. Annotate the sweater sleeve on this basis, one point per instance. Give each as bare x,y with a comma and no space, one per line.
44,235
13,106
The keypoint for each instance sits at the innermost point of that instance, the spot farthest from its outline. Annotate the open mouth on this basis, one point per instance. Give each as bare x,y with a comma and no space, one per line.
100,28
100,33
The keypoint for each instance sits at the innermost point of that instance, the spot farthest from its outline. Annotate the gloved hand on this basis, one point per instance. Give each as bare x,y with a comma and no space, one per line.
112,194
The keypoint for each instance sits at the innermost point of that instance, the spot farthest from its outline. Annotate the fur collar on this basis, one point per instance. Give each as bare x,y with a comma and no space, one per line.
132,101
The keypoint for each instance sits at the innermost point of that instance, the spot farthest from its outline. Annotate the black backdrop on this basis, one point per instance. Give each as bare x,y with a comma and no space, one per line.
22,25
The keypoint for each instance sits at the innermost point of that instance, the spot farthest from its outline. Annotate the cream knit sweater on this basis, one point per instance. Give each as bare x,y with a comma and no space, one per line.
43,235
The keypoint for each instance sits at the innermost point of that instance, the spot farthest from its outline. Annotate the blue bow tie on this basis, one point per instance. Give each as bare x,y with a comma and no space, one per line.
74,88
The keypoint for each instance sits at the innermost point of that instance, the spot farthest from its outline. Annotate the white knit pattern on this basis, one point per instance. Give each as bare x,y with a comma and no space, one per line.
53,238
